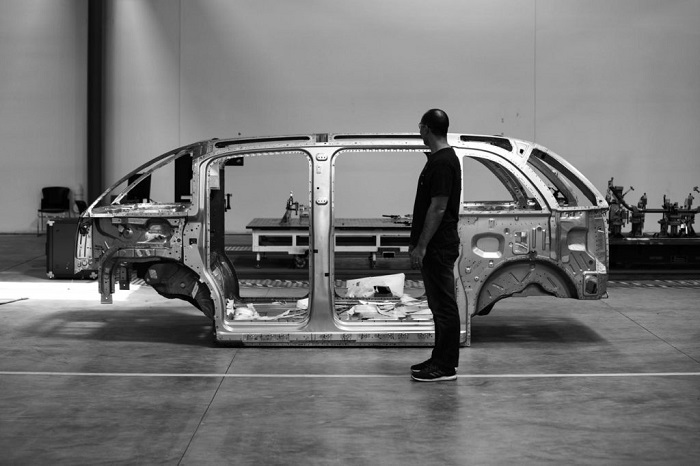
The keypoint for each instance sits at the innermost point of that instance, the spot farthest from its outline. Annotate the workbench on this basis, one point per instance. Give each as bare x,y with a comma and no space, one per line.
383,236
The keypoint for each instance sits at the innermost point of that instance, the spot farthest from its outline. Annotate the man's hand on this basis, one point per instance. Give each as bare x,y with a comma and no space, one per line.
416,254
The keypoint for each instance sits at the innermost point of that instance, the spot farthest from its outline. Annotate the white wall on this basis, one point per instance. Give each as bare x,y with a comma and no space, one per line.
618,92
142,101
43,79
614,87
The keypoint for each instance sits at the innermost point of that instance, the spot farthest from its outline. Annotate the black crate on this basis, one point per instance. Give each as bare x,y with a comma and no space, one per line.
61,235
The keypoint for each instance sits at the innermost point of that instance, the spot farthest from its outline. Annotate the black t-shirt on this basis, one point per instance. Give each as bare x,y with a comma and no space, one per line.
441,176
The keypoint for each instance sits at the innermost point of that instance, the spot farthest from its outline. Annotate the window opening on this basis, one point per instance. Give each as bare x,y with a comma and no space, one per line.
373,196
567,188
490,186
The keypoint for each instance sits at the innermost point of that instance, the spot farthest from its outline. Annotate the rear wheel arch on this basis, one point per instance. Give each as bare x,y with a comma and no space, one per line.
524,278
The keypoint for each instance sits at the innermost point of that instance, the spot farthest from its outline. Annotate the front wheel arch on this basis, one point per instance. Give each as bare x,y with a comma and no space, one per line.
172,280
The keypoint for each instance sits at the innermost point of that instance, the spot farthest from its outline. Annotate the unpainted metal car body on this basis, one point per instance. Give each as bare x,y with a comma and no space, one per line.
549,238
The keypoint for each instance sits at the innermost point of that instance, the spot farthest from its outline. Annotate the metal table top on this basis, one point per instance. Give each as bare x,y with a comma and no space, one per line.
340,223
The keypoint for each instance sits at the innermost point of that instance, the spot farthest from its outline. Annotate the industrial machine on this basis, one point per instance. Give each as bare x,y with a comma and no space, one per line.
675,247
676,222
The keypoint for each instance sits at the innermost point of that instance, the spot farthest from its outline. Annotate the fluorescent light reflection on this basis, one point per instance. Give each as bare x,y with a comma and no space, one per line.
59,291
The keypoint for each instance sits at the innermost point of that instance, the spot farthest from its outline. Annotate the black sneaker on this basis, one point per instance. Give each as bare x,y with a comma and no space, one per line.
421,366
433,373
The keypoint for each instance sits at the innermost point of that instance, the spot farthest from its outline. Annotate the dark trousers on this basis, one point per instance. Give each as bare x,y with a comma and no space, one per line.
439,282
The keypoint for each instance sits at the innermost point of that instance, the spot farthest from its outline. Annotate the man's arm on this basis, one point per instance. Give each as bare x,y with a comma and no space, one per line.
433,217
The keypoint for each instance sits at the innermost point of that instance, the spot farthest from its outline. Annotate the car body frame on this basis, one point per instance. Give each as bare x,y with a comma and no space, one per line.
549,239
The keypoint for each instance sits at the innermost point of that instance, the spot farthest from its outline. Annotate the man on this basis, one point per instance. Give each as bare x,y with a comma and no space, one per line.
434,245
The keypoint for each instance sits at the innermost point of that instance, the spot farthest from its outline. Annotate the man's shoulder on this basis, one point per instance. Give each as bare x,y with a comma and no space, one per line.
446,156
446,151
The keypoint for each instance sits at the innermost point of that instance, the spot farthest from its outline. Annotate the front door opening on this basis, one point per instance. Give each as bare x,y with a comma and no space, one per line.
267,235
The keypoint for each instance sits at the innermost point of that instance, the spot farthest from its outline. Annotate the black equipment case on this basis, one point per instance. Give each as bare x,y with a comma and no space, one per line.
60,248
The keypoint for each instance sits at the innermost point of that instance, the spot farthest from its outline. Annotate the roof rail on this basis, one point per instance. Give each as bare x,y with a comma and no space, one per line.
340,137
235,142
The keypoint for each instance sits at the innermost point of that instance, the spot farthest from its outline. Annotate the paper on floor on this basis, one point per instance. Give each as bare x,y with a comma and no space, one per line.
364,287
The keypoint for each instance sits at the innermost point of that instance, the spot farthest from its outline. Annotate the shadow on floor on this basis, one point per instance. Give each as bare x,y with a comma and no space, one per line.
532,328
180,327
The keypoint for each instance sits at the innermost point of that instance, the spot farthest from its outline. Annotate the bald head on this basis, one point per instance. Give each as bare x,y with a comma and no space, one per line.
437,120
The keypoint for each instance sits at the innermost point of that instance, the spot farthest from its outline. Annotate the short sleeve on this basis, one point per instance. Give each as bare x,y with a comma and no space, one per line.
440,182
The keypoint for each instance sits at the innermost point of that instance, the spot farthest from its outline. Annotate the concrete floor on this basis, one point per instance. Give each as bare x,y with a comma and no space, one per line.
138,382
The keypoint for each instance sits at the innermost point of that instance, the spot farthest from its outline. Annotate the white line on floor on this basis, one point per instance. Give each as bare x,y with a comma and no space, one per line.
344,376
